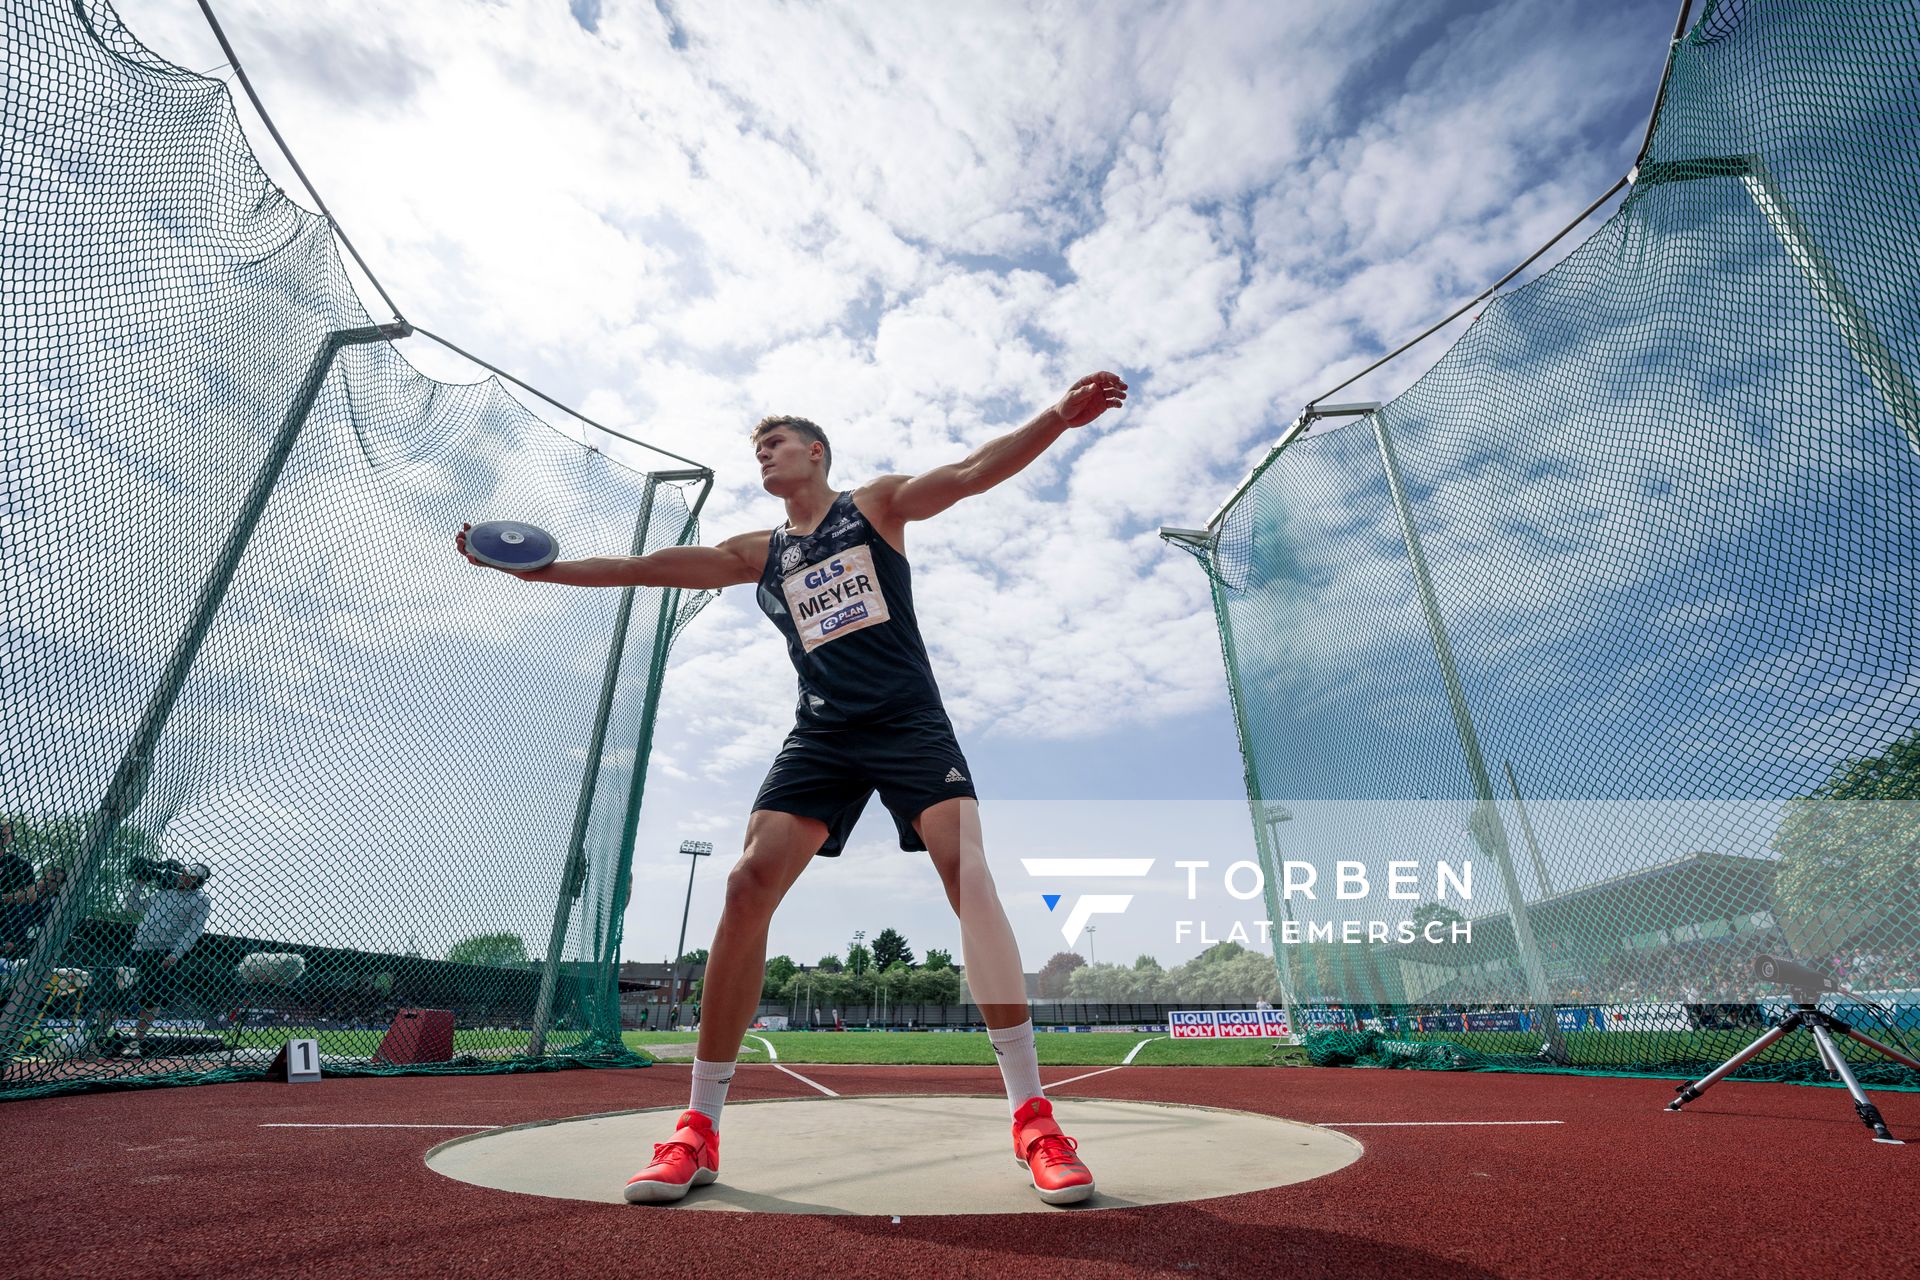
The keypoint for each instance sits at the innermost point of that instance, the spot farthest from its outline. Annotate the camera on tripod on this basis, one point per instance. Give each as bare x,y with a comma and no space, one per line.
1803,980
160,871
1807,985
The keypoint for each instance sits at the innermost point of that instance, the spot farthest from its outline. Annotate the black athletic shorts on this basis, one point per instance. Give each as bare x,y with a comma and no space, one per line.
157,984
912,760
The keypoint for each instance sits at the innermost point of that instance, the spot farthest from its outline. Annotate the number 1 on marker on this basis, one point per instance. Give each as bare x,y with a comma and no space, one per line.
303,1061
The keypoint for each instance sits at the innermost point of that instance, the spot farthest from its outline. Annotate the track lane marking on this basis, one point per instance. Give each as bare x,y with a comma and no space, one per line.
1090,1075
803,1080
1128,1060
773,1055
1419,1124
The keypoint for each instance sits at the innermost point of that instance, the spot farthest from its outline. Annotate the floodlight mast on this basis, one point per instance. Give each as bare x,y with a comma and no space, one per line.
695,850
1272,816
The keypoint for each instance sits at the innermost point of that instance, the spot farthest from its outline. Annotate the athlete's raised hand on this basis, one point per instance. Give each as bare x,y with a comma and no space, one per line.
1090,397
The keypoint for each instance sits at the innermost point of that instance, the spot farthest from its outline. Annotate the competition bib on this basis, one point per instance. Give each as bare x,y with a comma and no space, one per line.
835,596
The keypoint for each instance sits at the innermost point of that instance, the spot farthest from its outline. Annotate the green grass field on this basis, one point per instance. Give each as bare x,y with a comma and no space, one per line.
360,1044
1594,1050
1603,1049
908,1048
970,1048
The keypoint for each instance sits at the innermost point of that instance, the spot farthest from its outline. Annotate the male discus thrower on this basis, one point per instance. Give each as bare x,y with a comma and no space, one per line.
1807,986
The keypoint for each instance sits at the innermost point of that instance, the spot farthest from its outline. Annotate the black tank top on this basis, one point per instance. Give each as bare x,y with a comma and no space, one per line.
843,598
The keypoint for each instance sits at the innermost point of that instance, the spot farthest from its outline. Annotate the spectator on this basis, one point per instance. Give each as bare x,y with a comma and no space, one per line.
24,900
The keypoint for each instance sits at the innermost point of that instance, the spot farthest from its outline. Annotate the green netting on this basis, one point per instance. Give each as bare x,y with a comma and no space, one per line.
1618,603
238,634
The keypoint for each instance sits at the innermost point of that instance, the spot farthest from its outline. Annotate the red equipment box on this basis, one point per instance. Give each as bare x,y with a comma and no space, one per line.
418,1035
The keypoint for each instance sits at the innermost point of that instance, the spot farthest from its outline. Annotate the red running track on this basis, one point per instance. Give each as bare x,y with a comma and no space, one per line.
1753,1179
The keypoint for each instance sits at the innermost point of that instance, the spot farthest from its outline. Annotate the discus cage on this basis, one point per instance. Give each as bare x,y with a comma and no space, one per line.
238,633
1617,601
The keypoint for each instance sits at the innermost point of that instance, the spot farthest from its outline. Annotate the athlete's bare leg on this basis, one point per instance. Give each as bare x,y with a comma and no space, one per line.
951,831
779,847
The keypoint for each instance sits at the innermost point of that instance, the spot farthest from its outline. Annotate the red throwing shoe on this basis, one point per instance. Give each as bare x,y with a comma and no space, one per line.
691,1158
1058,1174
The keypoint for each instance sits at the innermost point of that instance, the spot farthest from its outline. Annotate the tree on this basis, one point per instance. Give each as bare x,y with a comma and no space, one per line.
780,971
500,950
1430,912
1052,979
830,964
1149,981
1102,982
892,981
937,960
1225,973
47,842
858,959
1850,851
694,957
889,947
932,986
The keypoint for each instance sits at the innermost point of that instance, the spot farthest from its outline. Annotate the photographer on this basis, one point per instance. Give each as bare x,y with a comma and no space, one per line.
24,900
173,907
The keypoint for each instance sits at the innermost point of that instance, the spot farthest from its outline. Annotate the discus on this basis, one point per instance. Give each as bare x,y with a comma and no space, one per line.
510,545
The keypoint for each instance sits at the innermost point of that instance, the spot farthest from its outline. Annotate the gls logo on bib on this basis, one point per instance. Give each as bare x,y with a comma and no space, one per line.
835,596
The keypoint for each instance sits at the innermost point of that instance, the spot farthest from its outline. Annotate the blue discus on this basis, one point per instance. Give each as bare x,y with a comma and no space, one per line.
511,545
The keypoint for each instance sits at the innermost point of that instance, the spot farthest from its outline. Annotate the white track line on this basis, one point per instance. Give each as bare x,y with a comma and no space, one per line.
1128,1060
378,1126
1090,1075
803,1080
1419,1124
773,1054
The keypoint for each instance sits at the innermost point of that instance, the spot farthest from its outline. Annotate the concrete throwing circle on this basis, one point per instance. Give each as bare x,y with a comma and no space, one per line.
906,1155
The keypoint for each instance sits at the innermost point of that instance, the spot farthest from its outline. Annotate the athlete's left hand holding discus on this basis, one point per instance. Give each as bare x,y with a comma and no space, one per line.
834,580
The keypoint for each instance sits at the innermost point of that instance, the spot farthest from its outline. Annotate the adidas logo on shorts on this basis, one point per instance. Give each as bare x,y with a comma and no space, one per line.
954,775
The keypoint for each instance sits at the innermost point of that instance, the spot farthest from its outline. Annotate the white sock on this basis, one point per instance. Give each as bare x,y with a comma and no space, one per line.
1019,1062
710,1081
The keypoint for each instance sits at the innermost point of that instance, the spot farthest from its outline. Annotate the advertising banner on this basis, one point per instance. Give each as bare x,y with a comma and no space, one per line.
1228,1024
1190,1024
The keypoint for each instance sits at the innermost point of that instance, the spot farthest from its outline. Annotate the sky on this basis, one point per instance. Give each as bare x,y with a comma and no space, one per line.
917,225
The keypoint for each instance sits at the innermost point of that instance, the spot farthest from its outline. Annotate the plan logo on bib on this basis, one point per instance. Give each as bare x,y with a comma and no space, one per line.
1087,906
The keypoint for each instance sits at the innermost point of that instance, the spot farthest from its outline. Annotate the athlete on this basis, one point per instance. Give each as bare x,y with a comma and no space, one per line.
834,579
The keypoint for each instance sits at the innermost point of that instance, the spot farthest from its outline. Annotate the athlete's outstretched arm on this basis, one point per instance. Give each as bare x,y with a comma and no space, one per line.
737,560
930,493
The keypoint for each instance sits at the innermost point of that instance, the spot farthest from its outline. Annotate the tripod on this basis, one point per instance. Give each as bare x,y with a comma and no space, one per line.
1823,1026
